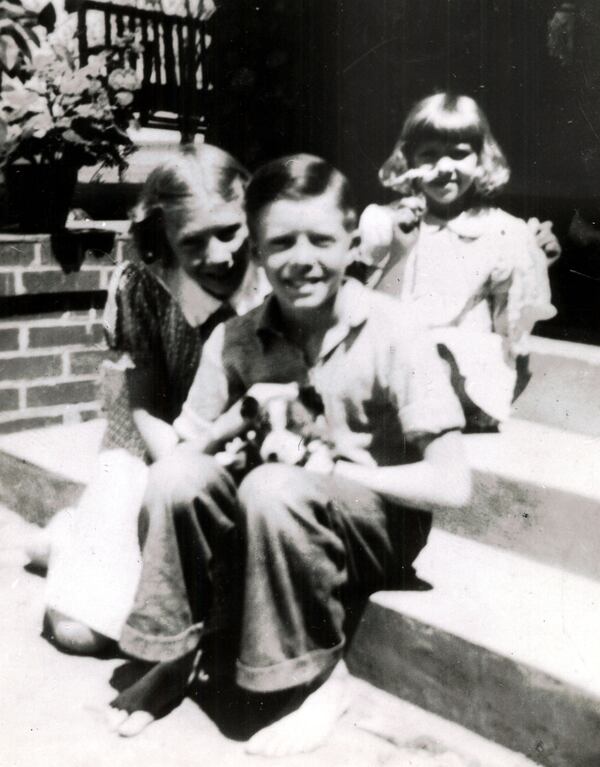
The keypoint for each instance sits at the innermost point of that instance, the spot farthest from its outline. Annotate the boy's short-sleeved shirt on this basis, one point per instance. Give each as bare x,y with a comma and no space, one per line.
381,380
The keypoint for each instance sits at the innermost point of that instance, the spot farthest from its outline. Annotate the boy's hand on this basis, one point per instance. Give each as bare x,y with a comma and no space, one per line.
545,239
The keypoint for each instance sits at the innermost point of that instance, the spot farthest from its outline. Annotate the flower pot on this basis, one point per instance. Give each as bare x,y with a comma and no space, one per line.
40,195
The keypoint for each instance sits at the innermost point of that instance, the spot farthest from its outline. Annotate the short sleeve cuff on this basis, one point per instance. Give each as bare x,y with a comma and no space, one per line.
190,427
428,416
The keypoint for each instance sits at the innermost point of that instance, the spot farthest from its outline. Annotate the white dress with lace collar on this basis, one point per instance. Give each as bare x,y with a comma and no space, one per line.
480,283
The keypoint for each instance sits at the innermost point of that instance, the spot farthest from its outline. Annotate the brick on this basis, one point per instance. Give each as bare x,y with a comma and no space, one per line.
20,424
72,392
26,368
88,248
98,258
54,281
106,273
9,399
86,363
90,415
7,284
9,339
16,253
65,335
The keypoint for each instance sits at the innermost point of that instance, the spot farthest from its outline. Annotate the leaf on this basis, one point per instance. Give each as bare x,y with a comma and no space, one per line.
9,53
73,137
38,125
21,39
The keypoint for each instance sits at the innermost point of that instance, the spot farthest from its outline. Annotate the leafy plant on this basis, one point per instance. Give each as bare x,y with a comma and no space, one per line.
52,109
19,35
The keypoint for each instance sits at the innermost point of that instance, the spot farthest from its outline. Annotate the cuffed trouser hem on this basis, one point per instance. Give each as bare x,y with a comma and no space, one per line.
288,673
158,649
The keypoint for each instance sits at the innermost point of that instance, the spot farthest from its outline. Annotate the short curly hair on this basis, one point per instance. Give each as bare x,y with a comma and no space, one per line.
298,177
449,118
203,170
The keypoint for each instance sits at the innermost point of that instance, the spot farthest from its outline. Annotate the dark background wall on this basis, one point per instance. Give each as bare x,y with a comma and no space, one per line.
337,78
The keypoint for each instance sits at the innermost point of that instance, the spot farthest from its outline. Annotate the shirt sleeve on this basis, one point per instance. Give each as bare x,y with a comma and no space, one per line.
420,384
520,288
209,393
131,313
132,318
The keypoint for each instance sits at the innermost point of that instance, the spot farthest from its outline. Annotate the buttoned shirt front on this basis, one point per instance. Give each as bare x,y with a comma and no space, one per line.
381,381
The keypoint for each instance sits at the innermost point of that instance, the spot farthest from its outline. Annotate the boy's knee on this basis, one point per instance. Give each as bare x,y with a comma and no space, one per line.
273,494
180,477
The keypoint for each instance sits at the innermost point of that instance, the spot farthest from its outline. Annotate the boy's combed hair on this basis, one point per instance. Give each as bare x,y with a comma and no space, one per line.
298,177
446,117
193,171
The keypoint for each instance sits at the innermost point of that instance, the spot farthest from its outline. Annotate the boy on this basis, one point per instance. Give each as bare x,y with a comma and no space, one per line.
310,542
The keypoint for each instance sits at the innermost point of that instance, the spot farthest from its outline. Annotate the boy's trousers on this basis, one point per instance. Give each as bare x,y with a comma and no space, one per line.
288,558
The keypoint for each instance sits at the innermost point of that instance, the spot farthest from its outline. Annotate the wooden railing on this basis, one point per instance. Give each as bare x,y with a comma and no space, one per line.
171,64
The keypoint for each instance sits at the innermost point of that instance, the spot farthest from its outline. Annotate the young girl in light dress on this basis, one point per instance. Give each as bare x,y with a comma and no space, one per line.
473,273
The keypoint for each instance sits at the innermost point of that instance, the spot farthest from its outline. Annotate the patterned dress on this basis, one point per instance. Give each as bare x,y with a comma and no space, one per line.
156,352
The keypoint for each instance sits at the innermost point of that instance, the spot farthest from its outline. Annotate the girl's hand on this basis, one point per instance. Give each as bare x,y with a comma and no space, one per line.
408,212
545,239
383,227
376,228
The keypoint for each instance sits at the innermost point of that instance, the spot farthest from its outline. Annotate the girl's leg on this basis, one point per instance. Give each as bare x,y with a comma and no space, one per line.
40,541
94,569
477,420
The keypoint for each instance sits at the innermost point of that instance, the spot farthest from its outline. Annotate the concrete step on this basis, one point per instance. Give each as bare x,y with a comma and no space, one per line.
537,488
50,712
504,643
564,390
505,646
537,492
44,470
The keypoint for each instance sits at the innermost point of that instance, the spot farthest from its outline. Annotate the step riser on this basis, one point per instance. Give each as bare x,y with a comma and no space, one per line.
563,392
552,723
559,528
553,526
35,492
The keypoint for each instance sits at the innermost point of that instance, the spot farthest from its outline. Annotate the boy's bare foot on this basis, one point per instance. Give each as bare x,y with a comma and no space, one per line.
308,727
73,636
158,692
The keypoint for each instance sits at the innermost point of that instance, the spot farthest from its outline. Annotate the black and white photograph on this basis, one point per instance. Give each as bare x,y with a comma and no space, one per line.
299,383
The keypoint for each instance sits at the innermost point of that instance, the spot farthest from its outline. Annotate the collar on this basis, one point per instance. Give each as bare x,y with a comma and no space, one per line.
469,225
353,310
197,305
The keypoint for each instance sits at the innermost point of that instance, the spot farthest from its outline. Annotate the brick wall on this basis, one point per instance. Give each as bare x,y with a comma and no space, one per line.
51,337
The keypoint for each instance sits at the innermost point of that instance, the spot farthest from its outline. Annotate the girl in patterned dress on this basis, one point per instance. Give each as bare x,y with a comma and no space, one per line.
193,271
472,272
